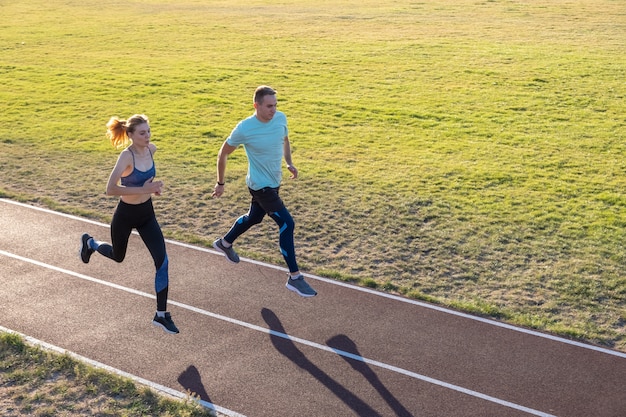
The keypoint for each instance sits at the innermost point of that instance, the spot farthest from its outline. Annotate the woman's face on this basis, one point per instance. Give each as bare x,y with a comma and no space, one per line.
141,135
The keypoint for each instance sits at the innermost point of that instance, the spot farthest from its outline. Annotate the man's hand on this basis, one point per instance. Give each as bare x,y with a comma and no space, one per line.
218,191
294,171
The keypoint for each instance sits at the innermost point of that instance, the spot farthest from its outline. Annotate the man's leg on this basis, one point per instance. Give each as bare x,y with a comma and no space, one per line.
242,224
286,227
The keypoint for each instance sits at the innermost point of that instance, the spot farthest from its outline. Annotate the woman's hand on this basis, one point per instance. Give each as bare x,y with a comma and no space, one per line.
153,187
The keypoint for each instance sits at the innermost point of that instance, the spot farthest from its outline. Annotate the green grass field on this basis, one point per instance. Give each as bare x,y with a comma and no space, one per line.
39,383
468,153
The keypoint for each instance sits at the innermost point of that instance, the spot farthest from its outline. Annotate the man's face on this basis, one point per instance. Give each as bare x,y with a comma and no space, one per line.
267,109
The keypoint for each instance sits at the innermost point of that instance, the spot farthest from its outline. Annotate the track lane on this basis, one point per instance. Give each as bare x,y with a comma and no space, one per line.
510,366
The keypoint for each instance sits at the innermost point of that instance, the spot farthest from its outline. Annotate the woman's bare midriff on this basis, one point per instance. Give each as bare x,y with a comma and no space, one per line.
135,199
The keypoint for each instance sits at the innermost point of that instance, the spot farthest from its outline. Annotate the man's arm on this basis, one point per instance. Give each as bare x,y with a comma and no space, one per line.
222,157
287,155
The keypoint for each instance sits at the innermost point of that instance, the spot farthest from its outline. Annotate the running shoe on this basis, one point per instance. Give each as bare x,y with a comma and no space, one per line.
300,286
165,323
229,252
85,249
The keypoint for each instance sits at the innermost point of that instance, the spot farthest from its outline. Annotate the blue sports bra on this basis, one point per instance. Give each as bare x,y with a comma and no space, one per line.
137,178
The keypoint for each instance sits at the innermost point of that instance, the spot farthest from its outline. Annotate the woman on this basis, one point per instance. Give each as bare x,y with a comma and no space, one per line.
132,179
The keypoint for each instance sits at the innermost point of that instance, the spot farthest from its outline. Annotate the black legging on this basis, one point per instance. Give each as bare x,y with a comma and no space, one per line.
141,217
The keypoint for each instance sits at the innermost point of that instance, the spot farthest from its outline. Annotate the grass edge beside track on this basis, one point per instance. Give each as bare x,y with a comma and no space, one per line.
37,379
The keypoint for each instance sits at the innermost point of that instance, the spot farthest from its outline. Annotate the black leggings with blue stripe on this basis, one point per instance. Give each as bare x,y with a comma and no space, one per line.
141,217
267,201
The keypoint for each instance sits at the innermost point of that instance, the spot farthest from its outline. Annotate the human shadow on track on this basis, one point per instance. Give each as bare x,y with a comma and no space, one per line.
345,344
191,380
285,346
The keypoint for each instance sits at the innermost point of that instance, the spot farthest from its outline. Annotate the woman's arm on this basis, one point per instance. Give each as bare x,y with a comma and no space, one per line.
124,165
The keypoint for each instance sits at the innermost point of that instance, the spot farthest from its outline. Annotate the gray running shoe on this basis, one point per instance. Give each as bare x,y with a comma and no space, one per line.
230,253
85,250
165,323
300,286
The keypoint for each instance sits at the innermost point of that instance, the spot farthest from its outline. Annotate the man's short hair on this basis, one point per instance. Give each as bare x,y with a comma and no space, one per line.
261,92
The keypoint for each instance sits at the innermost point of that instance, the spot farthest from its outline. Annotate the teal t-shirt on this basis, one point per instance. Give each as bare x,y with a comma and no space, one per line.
263,143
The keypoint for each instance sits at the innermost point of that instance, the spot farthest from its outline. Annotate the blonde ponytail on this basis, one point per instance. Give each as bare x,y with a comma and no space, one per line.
118,129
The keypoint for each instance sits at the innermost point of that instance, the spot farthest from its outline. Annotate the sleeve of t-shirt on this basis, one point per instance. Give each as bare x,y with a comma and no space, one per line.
236,137
285,123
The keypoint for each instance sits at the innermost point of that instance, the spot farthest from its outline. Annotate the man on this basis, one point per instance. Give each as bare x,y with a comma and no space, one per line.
265,138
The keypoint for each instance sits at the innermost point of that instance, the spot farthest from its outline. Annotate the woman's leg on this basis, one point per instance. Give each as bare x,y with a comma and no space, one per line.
121,228
152,236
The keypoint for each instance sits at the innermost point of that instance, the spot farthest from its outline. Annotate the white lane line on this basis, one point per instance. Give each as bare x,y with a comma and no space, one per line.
362,289
157,387
287,337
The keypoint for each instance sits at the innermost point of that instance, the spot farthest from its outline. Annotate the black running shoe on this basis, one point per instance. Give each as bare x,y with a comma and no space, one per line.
165,323
85,250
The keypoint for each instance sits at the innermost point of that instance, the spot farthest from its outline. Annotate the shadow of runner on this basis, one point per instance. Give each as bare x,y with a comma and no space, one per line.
191,380
285,346
345,344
